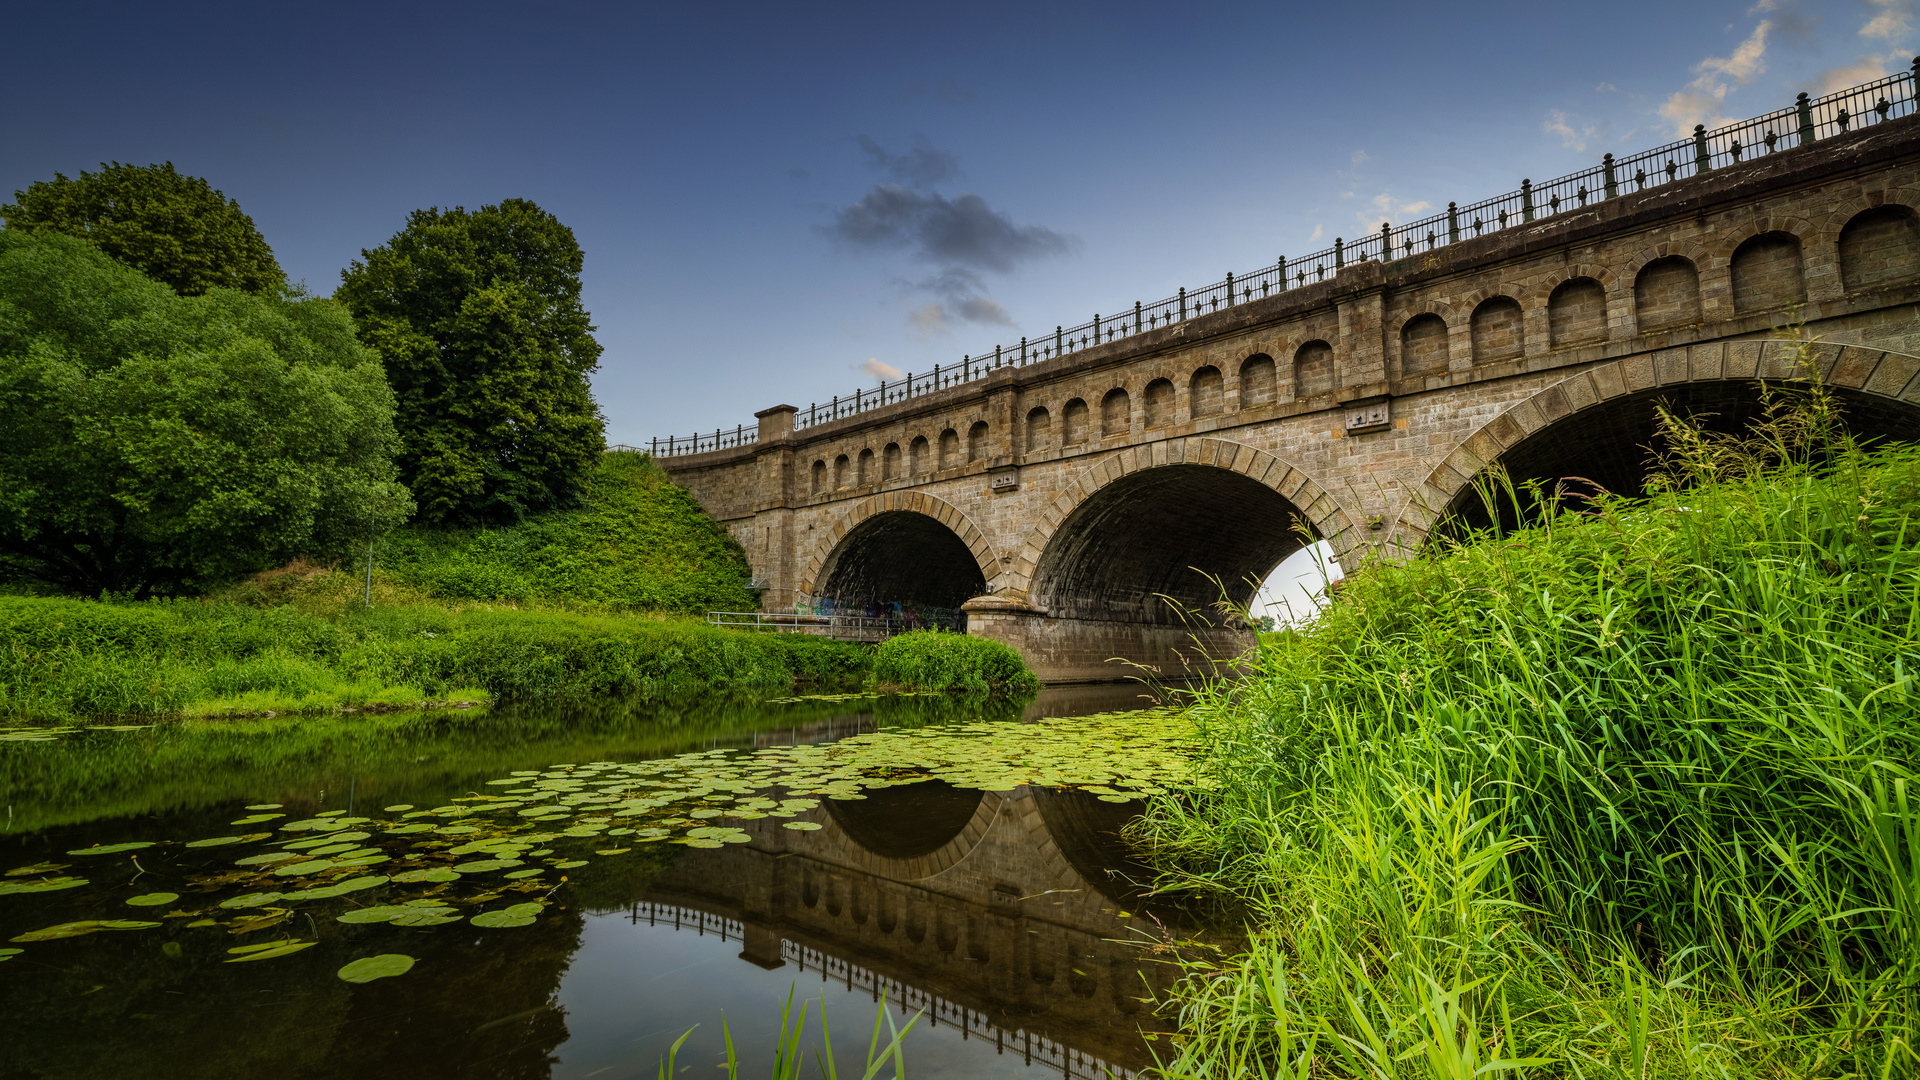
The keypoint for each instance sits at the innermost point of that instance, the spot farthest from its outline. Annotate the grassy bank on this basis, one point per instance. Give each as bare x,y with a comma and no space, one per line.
933,660
1628,793
66,659
638,543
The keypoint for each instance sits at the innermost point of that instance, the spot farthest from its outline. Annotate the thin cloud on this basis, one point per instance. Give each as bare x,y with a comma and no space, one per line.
922,166
1318,232
1891,22
962,231
1360,157
1556,124
1605,88
1385,209
1701,101
873,367
1865,69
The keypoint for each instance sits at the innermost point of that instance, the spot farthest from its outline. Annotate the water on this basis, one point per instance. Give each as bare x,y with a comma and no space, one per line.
1001,919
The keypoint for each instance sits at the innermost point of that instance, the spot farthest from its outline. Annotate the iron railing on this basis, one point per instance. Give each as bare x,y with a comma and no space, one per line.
1802,123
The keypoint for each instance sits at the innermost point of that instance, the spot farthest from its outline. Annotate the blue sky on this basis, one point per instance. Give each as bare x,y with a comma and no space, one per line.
774,197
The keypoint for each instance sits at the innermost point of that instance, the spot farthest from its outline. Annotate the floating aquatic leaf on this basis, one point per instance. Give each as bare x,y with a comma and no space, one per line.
255,819
153,899
47,885
412,827
802,826
274,953
8,954
266,806
112,849
251,900
37,868
405,806
481,866
267,857
613,851
410,877
310,866
700,842
201,923
383,913
535,872
517,915
75,929
369,968
569,864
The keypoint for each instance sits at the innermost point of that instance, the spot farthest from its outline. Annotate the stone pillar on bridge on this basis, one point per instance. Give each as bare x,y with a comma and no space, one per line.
771,551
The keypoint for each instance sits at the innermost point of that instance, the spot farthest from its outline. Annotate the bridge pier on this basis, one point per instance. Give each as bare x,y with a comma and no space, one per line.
1067,650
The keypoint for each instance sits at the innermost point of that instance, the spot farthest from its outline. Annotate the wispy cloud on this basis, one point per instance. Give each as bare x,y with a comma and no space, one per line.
1701,101
1360,157
1605,88
1557,123
963,237
1385,208
1891,21
874,368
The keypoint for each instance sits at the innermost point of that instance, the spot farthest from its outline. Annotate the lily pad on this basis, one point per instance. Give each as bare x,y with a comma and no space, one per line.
516,874
8,954
153,899
266,806
76,929
216,841
271,951
113,849
410,877
368,968
517,915
405,806
255,819
251,900
801,826
47,885
310,866
482,866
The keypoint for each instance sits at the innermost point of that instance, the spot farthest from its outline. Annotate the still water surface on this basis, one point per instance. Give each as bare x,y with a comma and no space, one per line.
1004,920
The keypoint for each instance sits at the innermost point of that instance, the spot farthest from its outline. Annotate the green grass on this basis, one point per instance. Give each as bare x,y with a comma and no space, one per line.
66,659
1627,793
637,544
933,660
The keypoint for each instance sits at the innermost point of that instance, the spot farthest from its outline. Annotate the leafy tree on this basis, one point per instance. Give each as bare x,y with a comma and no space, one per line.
478,317
154,443
175,229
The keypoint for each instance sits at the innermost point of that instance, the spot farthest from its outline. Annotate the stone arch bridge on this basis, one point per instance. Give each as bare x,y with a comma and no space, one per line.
1079,499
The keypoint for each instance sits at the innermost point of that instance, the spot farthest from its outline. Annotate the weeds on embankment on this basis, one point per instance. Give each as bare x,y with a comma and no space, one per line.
936,660
62,659
1627,793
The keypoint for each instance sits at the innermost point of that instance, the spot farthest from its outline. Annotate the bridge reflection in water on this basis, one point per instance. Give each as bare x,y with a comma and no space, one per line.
1003,916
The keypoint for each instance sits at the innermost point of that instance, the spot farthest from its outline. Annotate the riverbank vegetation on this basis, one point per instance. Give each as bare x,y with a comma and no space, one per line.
1629,792
936,660
68,659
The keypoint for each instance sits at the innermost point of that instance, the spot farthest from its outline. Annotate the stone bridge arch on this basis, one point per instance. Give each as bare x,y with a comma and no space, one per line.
1596,424
892,545
1093,579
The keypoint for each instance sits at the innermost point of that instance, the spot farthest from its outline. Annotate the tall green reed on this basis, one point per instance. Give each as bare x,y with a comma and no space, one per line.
1627,791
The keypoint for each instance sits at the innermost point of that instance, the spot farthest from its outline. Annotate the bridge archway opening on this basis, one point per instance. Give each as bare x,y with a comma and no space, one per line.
1162,533
906,822
1609,446
904,556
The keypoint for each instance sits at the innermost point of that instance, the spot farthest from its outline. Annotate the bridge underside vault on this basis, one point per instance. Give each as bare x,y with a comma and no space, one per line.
1611,446
1162,542
905,556
1139,571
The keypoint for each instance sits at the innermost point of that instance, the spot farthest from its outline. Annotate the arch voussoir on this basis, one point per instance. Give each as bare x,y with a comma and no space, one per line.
963,527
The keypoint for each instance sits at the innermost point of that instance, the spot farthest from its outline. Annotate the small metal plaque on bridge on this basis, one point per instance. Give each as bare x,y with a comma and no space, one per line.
1369,417
1007,479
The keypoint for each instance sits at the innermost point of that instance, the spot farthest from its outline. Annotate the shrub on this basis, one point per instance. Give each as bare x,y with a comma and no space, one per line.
935,660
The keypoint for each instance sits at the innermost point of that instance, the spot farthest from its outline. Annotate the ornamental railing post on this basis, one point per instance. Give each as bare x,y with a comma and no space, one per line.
834,413
1805,109
1023,352
1701,162
936,376
966,368
1281,269
1613,185
856,401
996,356
1453,223
1096,328
1183,303
1526,200
1229,288
1339,253
1386,242
655,450
1136,316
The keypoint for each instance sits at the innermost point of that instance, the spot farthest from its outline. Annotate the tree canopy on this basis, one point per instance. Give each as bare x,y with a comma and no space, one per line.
175,229
477,316
154,443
